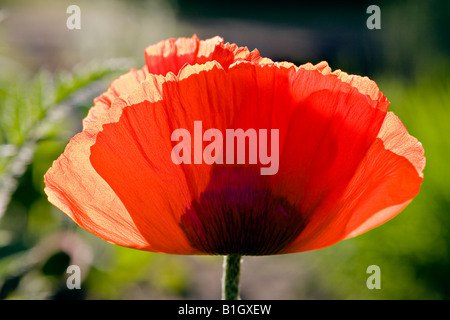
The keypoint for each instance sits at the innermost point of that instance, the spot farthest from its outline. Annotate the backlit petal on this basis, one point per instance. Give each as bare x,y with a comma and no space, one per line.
387,179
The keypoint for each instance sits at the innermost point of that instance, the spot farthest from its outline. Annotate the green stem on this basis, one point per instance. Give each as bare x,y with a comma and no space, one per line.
230,280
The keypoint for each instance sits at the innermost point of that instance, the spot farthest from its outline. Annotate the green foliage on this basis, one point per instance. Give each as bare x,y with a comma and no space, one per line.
38,114
29,110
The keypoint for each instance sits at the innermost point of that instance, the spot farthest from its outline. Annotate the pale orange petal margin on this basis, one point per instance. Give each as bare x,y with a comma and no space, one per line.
122,86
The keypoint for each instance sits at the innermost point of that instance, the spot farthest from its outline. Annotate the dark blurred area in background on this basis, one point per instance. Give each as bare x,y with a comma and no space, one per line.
411,31
43,63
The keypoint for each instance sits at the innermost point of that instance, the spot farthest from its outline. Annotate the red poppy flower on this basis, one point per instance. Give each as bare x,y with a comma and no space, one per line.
345,165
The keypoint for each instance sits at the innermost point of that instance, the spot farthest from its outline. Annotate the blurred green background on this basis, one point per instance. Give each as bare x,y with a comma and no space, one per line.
49,76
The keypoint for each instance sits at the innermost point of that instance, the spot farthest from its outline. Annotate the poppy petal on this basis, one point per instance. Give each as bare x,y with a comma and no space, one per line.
399,183
327,136
121,86
172,54
386,181
154,190
73,186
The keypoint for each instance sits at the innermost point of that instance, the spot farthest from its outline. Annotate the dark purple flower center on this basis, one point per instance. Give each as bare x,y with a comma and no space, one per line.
236,214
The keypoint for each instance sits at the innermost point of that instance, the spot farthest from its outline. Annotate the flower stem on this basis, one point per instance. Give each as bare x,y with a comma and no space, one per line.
230,280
